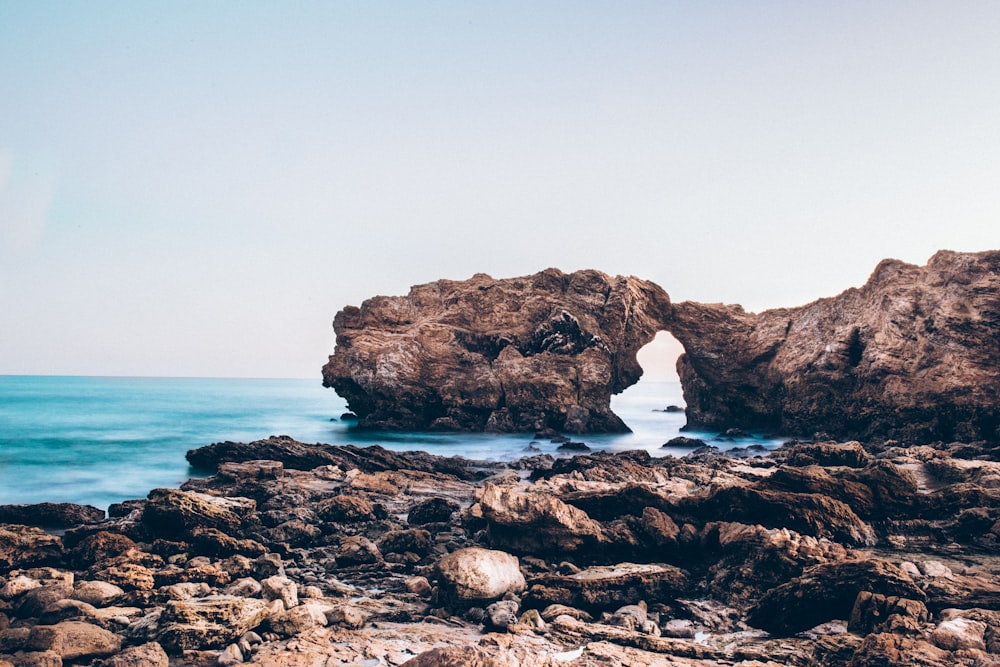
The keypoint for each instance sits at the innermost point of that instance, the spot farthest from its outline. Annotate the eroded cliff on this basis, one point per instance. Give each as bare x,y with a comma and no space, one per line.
914,354
521,354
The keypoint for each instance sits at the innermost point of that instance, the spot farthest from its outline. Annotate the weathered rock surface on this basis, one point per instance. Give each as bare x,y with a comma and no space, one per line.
522,354
476,575
914,354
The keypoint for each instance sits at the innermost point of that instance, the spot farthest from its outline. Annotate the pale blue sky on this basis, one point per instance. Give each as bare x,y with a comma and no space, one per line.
197,188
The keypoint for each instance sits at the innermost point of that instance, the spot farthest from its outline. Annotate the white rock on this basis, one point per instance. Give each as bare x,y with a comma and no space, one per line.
480,574
960,633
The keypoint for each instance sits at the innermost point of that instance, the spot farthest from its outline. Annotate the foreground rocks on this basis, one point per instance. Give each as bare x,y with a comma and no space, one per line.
595,560
912,355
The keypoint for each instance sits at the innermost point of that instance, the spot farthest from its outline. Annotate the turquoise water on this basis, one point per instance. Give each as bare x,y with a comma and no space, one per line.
99,440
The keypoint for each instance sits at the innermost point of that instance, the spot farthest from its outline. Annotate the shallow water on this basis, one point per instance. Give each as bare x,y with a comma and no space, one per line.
99,440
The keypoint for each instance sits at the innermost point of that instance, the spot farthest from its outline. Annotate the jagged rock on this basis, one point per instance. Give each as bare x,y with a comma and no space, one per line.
913,355
890,650
209,622
476,575
500,615
280,588
523,354
299,456
874,612
73,639
172,513
850,454
346,509
358,550
51,515
97,547
301,618
27,546
605,588
535,523
828,591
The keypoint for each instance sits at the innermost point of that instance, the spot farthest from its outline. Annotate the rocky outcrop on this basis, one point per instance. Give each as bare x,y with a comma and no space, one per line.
603,559
914,354
515,355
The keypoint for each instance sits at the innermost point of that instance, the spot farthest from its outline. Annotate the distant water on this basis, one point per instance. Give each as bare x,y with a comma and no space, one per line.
100,440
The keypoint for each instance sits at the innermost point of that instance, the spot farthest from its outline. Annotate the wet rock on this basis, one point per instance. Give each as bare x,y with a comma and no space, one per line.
432,510
72,640
476,575
828,591
406,541
684,441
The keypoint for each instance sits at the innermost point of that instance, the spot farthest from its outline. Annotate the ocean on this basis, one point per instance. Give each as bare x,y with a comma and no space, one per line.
102,440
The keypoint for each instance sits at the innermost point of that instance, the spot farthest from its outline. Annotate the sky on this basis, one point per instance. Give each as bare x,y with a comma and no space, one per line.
196,188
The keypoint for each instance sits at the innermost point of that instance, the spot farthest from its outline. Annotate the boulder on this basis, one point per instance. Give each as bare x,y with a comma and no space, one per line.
209,622
27,546
960,633
346,509
475,575
175,514
73,640
535,523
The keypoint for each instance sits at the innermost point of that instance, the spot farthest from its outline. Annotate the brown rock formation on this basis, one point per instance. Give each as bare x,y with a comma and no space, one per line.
522,354
914,354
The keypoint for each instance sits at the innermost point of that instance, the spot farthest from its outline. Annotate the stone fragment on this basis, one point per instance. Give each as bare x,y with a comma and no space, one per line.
97,593
280,588
500,615
357,550
432,510
535,523
299,619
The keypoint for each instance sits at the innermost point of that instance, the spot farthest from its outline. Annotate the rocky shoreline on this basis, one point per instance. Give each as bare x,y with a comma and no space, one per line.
822,553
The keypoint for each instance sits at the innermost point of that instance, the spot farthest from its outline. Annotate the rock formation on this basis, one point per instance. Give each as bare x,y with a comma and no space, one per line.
914,355
522,354
284,563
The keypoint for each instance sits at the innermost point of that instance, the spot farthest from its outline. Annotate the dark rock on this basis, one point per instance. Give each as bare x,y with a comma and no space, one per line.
826,592
500,615
683,441
572,446
346,509
607,588
26,546
51,515
432,510
171,513
299,456
98,547
673,408
850,454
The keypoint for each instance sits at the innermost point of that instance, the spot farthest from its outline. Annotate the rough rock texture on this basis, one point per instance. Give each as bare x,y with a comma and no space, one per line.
914,354
522,354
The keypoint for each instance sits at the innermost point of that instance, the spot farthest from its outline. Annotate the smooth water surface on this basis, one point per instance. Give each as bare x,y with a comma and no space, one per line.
99,440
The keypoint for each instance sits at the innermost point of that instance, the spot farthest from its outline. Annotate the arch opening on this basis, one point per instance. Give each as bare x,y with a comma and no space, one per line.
654,406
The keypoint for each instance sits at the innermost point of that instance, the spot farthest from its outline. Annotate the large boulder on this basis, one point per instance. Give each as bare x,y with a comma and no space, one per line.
476,575
73,640
521,354
175,514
